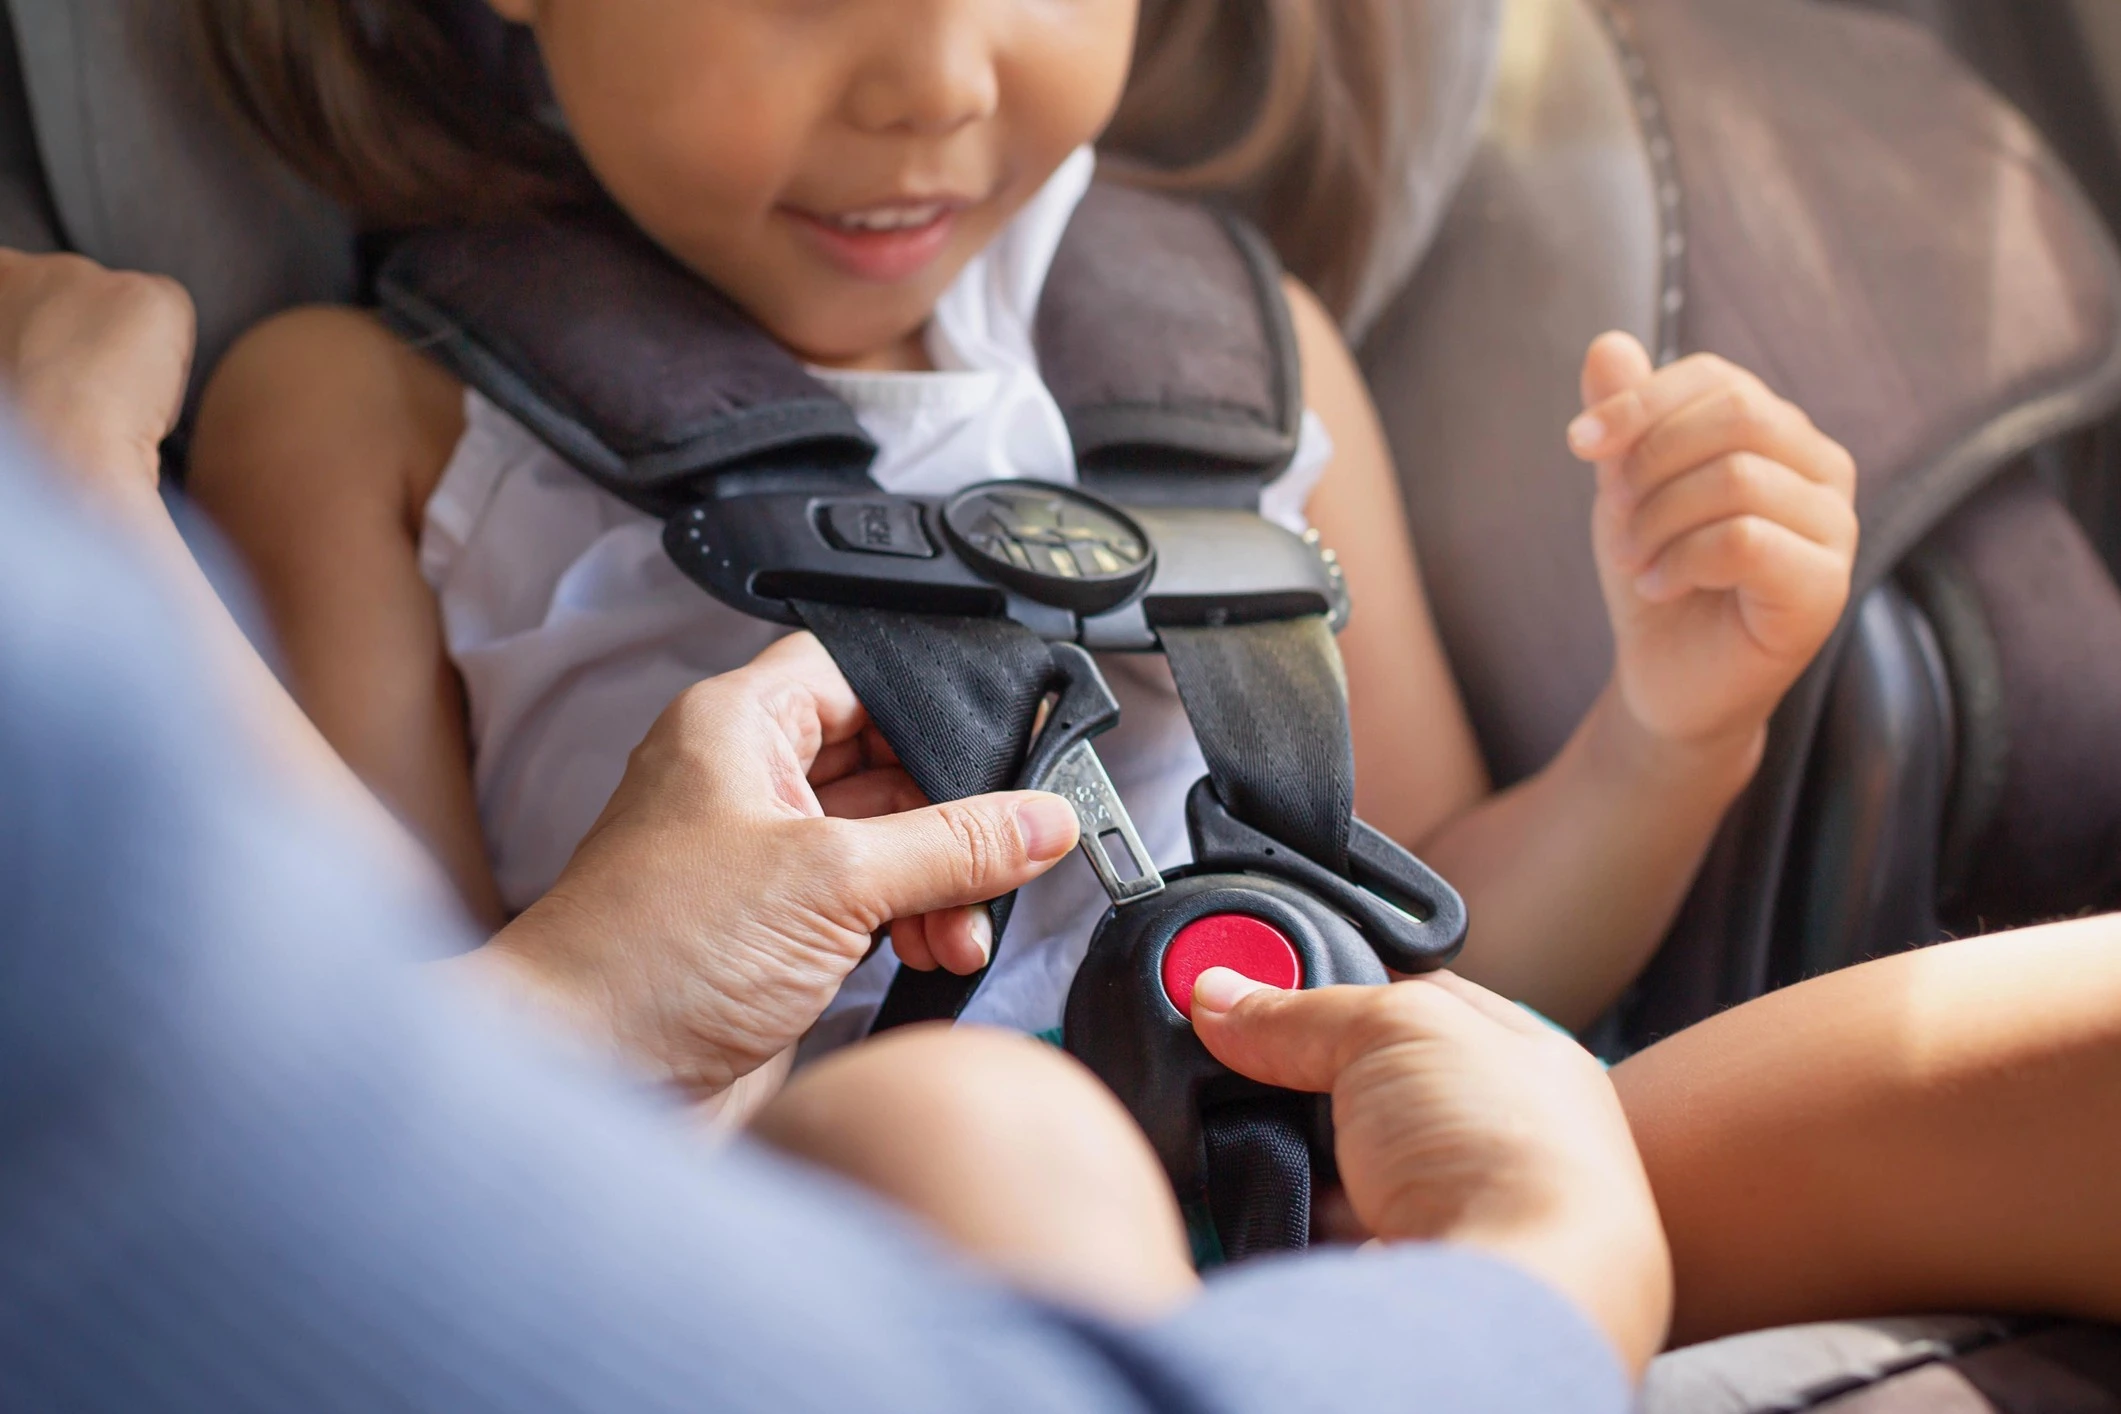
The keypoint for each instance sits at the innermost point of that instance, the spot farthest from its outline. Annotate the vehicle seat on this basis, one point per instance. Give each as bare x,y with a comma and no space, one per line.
1822,194
1827,196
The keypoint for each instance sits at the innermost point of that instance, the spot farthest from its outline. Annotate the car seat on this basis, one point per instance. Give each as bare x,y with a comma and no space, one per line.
1826,196
1820,193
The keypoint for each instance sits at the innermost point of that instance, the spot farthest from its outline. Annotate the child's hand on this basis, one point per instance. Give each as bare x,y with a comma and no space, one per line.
1725,531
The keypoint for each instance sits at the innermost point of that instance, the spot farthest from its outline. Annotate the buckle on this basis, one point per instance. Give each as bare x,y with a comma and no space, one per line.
1413,919
1067,564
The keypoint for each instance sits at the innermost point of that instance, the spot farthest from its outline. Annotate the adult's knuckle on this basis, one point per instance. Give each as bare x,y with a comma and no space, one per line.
975,840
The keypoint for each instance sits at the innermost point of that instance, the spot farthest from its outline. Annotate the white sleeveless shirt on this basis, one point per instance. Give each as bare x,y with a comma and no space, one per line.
573,630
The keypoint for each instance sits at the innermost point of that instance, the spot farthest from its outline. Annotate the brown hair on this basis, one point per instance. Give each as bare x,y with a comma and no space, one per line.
417,111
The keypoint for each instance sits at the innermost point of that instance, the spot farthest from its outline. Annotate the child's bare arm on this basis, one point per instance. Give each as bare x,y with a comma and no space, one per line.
319,441
1574,875
1936,1131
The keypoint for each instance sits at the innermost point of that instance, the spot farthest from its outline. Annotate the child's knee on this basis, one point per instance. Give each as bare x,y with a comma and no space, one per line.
929,1098
1008,1147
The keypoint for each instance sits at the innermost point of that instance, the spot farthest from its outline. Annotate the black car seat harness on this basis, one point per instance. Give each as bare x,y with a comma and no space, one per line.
966,623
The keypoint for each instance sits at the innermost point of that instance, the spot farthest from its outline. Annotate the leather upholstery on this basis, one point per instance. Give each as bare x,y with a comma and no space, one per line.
1862,875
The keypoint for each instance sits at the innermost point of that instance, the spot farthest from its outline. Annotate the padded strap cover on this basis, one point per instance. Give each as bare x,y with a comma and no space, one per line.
1163,335
621,360
1163,332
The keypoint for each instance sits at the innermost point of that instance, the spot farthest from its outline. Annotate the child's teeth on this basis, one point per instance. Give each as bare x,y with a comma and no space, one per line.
904,218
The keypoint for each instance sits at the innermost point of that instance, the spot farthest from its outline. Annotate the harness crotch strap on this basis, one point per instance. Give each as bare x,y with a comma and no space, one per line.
1164,338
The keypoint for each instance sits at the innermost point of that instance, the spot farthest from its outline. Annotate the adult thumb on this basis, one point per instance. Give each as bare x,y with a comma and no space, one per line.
960,852
1296,1040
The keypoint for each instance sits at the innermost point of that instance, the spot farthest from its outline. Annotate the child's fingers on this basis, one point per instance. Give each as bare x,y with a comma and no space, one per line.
1617,362
1609,430
1741,417
909,939
1785,578
1731,487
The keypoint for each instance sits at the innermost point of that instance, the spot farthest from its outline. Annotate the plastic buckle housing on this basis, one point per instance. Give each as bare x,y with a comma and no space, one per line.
1066,564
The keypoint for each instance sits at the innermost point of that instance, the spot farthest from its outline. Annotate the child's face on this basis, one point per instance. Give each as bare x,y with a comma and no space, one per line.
831,164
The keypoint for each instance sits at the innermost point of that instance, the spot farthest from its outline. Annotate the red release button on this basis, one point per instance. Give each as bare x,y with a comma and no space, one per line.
1233,940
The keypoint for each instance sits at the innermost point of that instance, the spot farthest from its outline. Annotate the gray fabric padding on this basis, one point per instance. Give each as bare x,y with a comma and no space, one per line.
27,221
1923,1365
624,362
1798,1367
1555,237
1162,325
1889,244
1163,334
1451,51
147,173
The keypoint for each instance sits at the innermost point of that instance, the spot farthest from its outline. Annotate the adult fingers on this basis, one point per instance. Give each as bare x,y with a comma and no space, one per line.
957,940
1608,430
868,794
865,751
960,939
1616,362
1304,1040
1496,1008
1739,484
797,678
909,939
949,855
1742,416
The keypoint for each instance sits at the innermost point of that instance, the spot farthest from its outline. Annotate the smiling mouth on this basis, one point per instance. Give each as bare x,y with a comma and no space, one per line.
909,216
884,243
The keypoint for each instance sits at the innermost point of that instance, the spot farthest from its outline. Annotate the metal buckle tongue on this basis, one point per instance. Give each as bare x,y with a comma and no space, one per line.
1064,762
1109,840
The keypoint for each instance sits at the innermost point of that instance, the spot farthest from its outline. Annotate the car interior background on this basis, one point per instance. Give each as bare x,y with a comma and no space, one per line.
1901,212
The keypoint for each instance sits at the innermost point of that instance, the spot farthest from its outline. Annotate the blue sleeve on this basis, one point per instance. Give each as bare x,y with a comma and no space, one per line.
251,1160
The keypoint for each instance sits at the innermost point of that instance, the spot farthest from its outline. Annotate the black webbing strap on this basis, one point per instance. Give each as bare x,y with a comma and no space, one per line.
1269,704
1259,1175
956,698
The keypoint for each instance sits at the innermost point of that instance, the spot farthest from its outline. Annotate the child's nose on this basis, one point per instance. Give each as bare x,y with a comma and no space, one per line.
932,73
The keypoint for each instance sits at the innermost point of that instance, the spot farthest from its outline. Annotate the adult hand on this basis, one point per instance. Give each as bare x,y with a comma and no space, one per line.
1459,1118
715,907
96,363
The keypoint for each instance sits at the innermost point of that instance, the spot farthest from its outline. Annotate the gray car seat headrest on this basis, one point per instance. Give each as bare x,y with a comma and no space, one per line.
1452,49
146,172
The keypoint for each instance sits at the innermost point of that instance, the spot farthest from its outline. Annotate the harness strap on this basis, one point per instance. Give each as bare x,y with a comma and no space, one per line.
1269,703
1259,1175
955,698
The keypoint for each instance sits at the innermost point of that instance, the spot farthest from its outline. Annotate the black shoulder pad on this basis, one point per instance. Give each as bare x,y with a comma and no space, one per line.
621,360
1165,337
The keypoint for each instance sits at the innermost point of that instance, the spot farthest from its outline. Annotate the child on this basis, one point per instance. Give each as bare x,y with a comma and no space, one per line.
880,183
